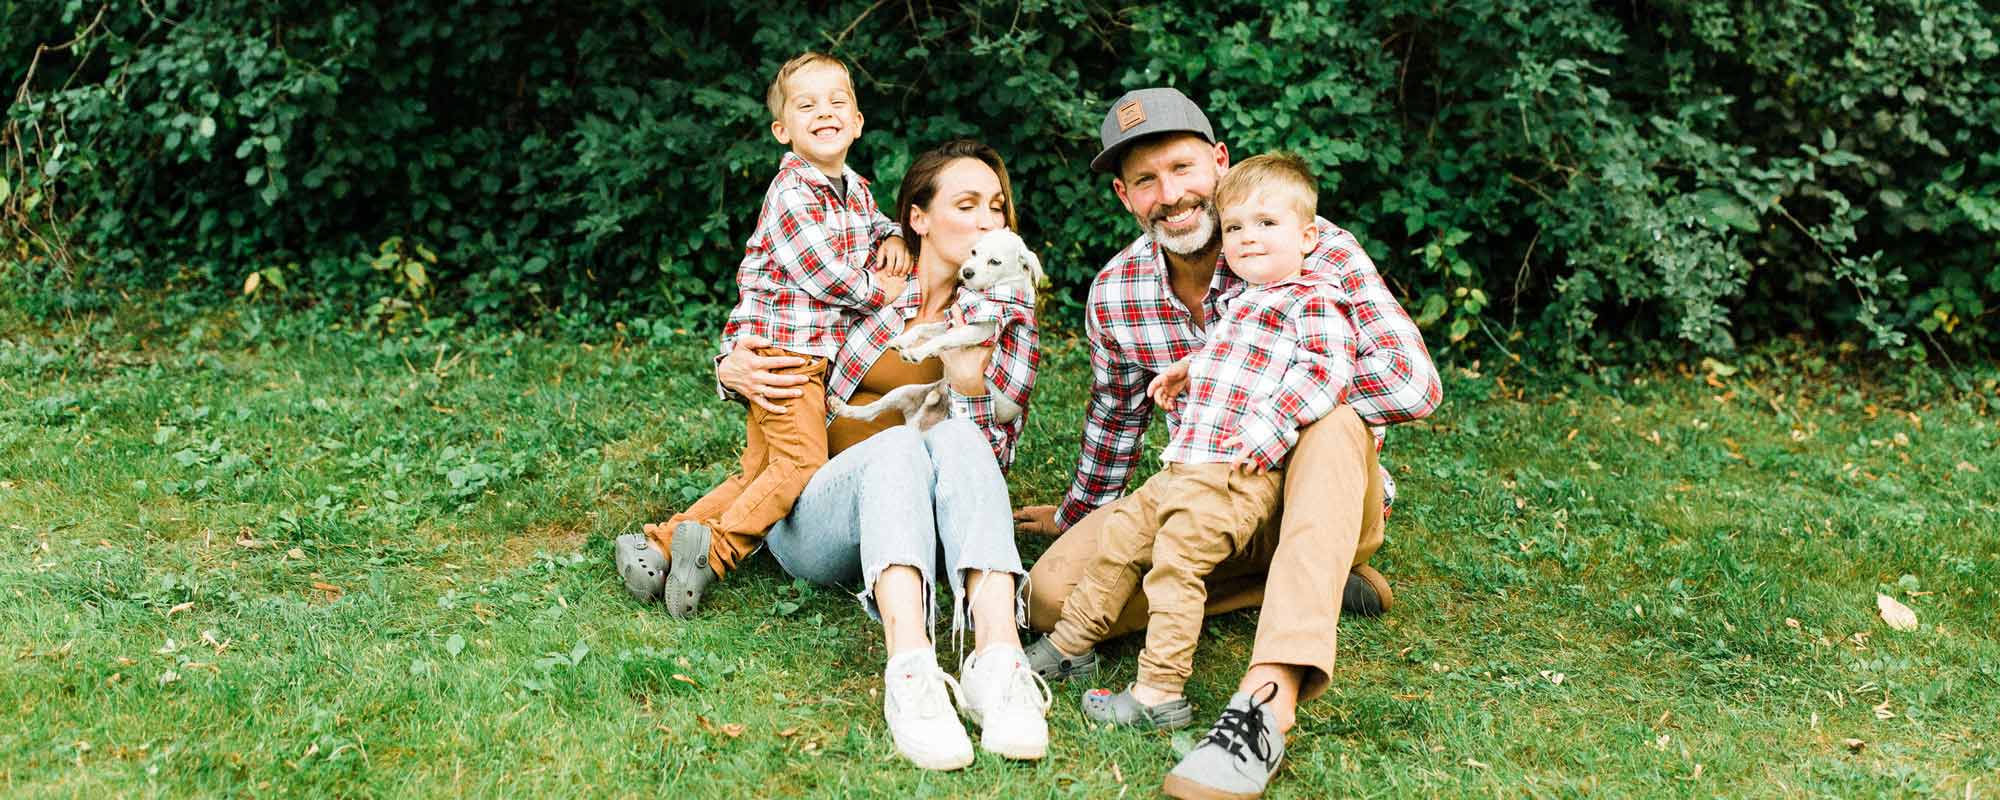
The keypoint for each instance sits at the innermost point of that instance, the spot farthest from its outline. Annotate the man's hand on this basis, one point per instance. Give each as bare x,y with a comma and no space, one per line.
1246,459
1168,385
748,374
892,257
1038,520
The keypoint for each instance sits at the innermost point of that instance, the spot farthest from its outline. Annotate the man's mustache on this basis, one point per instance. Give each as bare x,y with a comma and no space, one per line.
1161,216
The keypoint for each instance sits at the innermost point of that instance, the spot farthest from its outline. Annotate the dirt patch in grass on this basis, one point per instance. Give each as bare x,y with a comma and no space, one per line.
553,537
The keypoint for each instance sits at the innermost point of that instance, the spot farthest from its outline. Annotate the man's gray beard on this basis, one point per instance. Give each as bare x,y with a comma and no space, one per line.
1200,238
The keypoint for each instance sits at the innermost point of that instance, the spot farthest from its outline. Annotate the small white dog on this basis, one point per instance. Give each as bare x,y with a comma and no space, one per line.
1002,272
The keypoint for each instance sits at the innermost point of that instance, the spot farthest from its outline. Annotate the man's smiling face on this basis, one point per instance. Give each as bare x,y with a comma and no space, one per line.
1169,185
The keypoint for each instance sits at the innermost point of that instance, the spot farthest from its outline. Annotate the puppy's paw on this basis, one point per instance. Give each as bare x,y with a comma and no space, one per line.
914,355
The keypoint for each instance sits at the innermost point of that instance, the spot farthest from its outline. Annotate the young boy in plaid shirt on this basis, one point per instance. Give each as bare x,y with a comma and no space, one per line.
1280,358
803,278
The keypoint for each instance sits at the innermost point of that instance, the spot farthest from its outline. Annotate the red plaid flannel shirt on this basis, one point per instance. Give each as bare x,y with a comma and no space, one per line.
1281,357
1137,327
806,264
1016,356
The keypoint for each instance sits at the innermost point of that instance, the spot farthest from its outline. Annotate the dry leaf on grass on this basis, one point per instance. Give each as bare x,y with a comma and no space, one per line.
179,608
1854,745
1899,616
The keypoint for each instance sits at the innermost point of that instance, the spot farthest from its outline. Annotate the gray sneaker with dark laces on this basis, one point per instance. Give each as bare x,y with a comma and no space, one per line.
1237,758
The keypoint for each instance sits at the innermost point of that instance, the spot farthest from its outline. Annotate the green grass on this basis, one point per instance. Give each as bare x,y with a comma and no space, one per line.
245,555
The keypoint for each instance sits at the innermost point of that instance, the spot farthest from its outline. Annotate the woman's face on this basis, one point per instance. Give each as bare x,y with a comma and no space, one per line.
968,203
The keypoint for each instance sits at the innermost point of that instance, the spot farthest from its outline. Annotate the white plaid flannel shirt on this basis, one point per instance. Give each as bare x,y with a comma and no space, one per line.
1281,357
1137,327
805,268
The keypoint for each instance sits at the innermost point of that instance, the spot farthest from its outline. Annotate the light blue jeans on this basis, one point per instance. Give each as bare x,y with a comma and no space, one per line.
934,501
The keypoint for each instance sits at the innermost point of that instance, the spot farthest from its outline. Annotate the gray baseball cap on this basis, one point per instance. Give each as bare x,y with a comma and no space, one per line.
1144,112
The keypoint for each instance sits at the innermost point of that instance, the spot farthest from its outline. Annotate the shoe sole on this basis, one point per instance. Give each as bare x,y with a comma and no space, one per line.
685,570
1029,753
939,765
1181,788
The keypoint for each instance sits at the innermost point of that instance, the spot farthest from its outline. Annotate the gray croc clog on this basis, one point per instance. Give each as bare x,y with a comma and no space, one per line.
1125,711
1048,661
688,574
641,565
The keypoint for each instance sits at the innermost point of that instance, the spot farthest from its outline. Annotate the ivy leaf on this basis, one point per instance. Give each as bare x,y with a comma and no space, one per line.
206,128
454,645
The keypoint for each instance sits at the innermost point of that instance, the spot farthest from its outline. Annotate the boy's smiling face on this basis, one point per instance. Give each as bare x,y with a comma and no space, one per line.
820,120
1265,239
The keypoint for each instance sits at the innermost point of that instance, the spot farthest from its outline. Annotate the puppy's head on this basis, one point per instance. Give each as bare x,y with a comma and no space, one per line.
1000,257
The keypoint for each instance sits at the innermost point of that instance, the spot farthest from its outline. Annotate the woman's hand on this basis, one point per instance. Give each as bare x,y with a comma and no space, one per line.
744,372
965,368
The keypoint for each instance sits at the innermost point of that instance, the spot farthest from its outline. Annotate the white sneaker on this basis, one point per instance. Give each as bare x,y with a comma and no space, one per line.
1010,703
916,702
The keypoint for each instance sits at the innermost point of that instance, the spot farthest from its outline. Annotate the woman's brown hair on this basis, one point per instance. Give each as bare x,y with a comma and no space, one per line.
920,183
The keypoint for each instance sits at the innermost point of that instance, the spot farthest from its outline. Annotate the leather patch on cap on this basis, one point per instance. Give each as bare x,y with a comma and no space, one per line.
1130,115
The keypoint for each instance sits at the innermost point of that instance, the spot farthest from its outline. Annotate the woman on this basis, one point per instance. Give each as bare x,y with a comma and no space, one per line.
893,509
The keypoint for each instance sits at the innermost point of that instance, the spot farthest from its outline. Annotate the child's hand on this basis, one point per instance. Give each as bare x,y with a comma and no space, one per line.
892,257
892,285
1169,384
1246,459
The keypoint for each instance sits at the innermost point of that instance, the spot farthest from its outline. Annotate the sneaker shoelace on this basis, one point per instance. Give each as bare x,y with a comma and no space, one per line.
1025,686
1243,729
926,691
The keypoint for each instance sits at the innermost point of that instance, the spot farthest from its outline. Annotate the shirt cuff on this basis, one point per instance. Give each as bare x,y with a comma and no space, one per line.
978,409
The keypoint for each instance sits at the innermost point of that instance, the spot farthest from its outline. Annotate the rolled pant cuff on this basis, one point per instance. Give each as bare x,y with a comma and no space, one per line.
867,593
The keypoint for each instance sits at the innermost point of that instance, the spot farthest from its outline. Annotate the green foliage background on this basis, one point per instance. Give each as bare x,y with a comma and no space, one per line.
1587,181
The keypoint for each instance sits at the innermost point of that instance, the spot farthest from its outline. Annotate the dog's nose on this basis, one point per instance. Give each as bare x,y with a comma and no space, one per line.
965,274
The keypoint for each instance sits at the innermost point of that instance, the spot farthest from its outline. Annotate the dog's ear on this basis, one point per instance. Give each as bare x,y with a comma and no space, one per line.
1034,264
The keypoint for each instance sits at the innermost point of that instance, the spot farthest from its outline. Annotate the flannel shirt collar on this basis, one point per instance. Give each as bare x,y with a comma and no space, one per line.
811,176
1306,277
1154,260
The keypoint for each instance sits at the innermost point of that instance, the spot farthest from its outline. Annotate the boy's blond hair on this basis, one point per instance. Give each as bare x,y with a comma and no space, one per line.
774,97
1278,175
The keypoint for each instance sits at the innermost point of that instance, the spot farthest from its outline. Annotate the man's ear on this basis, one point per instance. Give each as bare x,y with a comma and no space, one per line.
1221,160
1118,187
778,131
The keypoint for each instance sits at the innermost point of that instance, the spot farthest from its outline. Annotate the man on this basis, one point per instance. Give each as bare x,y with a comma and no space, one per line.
1151,306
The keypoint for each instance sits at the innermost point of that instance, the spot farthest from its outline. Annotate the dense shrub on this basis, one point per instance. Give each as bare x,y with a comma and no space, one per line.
1583,179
